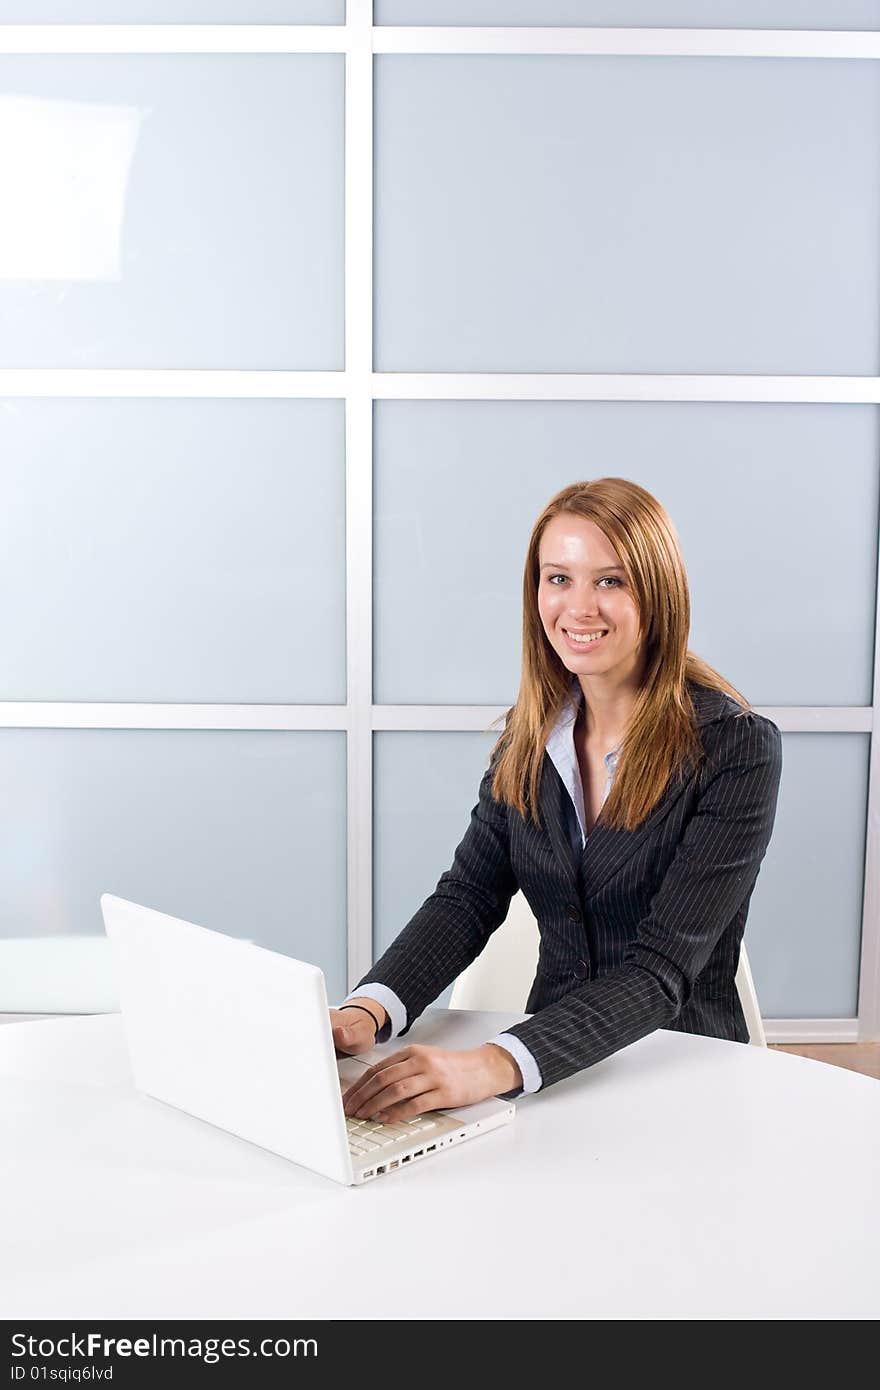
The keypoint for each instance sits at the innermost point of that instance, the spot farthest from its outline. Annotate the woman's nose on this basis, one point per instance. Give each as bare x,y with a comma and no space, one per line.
584,606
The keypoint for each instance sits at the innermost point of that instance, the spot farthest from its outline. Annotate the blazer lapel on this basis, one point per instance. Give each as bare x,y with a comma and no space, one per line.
608,850
551,803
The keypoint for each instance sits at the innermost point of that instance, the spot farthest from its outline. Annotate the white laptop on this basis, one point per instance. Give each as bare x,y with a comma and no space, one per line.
240,1036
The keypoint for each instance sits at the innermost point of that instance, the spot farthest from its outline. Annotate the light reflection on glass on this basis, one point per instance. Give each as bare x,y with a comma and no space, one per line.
64,171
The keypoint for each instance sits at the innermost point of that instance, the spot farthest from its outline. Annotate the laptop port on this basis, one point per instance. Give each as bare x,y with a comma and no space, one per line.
392,1166
406,1158
430,1149
419,1153
369,1173
381,1169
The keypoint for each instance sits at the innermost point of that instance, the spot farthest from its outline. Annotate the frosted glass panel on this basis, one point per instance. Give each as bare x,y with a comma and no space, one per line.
241,832
627,215
776,508
172,11
424,786
803,929
172,211
804,933
647,14
172,550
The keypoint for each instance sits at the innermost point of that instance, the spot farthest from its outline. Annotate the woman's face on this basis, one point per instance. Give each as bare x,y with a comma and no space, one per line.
582,589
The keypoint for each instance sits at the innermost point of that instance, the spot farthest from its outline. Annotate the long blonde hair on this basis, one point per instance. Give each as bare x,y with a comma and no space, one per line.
662,735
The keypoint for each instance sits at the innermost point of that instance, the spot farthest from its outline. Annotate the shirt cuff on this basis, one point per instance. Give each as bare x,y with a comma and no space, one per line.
396,1021
531,1072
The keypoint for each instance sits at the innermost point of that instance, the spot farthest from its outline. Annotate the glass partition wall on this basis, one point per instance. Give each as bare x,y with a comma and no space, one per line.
304,314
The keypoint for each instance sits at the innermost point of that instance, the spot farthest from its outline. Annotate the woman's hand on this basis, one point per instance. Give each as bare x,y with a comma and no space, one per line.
353,1029
424,1078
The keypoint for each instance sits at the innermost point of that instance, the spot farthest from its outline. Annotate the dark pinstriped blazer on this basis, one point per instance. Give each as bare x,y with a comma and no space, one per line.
642,933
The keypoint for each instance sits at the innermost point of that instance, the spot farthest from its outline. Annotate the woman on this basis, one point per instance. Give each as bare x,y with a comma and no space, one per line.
631,797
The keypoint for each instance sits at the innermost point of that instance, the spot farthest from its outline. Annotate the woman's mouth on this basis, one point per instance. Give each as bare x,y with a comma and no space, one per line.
587,642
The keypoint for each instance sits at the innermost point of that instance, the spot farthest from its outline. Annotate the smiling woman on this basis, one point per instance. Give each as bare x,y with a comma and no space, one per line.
631,796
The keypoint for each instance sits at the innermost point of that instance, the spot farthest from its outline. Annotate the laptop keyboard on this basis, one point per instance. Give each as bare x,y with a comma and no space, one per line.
366,1137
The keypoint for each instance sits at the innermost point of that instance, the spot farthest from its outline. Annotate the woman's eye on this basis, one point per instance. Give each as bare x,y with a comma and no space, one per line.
612,577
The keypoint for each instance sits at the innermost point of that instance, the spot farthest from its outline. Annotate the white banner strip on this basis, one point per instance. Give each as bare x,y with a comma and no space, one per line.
123,381
173,38
642,43
575,386
73,715
36,714
335,38
793,719
453,386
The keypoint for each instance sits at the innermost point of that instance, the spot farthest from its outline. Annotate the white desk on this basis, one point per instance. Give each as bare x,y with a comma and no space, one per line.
682,1178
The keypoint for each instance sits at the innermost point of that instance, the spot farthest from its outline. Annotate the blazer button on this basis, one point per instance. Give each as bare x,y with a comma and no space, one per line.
574,912
580,970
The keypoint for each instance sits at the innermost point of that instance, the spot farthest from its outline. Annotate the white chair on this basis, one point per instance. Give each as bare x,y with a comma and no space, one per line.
748,998
500,977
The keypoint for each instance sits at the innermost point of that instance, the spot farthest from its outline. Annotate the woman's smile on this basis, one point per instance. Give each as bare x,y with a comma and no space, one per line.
584,644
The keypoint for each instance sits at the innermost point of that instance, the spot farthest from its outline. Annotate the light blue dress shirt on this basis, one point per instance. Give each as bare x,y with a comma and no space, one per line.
561,751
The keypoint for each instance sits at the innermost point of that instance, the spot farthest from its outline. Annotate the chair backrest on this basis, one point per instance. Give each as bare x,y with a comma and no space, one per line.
748,998
500,977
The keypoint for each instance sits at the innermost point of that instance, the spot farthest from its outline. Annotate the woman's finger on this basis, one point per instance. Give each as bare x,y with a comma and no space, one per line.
368,1092
387,1093
420,1105
366,1086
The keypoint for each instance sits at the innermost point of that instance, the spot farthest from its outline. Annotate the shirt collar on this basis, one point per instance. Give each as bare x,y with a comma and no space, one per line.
709,705
561,737
562,753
